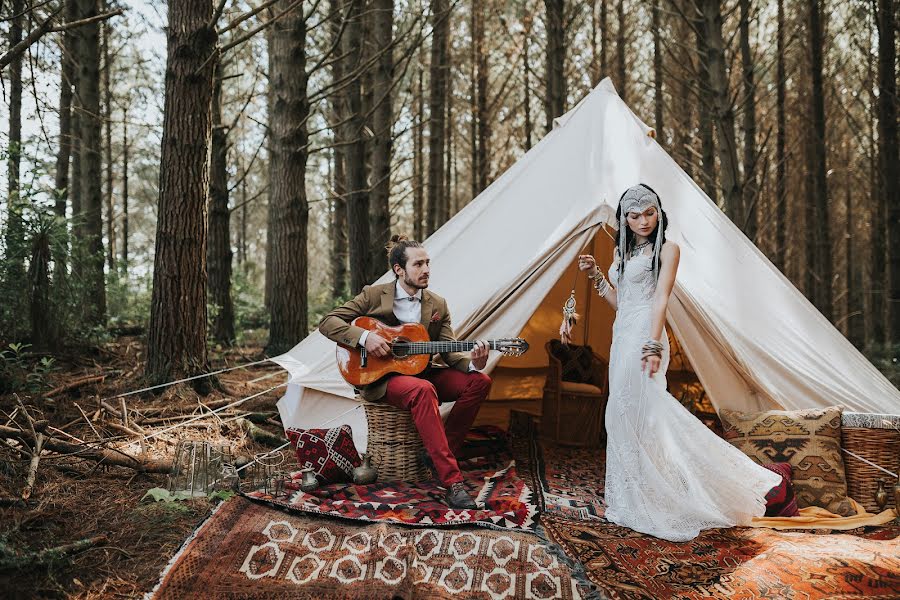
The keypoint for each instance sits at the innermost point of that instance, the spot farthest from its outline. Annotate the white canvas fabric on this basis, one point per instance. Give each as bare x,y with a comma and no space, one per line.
506,261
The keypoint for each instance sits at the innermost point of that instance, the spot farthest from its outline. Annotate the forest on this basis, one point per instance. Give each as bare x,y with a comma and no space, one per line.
191,185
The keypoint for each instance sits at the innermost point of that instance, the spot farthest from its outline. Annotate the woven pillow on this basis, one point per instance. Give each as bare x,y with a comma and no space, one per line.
780,501
809,440
329,452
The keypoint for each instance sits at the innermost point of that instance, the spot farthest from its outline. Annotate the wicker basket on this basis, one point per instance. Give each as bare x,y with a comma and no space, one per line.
868,436
394,443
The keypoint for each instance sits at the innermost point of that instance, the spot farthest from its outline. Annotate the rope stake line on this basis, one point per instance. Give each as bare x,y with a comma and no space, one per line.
176,382
869,462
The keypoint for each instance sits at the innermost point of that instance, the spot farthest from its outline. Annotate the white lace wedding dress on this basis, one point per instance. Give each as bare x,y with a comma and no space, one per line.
667,474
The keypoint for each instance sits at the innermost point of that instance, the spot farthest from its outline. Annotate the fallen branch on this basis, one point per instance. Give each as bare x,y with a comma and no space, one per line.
95,453
75,385
22,561
260,435
32,468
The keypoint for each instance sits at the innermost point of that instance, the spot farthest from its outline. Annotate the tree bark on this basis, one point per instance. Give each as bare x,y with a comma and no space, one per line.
723,109
64,151
555,98
750,190
177,333
437,108
484,119
704,118
90,123
219,253
658,99
382,21
15,232
419,160
353,136
604,38
819,262
290,111
105,30
889,157
526,74
125,190
621,47
339,242
779,213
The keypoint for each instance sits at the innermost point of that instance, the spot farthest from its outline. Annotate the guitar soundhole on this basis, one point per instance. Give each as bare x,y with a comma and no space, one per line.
400,347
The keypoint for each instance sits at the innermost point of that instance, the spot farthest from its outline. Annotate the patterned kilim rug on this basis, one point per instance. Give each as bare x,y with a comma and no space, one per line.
740,563
252,551
493,481
567,481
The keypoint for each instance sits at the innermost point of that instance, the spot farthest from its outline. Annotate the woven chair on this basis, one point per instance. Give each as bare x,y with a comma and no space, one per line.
394,443
876,439
575,394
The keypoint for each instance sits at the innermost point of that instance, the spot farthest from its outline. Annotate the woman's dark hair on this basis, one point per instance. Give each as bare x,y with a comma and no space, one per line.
629,235
396,249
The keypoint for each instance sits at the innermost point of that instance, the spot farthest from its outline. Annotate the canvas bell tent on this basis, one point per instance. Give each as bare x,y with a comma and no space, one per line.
506,263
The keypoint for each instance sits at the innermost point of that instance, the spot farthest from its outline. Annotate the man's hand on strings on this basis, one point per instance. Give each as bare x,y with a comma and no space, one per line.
377,345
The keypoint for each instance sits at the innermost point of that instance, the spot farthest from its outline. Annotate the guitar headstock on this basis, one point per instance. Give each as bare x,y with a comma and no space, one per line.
511,346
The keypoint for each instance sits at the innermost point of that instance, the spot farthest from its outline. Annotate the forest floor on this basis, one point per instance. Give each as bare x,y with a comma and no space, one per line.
122,541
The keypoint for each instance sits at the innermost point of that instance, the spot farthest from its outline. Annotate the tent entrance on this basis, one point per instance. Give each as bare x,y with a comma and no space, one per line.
519,381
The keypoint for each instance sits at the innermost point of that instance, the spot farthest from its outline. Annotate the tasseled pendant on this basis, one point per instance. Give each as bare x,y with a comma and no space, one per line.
570,317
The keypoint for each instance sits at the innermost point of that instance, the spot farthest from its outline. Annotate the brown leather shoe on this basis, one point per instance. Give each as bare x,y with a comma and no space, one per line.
458,497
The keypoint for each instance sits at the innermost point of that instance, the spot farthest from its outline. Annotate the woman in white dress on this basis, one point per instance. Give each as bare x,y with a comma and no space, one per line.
667,474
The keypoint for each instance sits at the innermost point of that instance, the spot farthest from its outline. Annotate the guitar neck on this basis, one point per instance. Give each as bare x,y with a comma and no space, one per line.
440,347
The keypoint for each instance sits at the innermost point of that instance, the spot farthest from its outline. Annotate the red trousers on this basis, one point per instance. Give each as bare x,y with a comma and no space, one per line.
422,394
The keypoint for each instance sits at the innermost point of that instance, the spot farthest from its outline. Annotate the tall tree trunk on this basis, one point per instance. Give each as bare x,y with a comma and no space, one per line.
107,147
484,119
289,144
819,227
658,99
219,249
749,210
382,22
705,120
353,135
339,242
526,73
621,47
604,38
91,124
477,32
125,190
595,55
555,100
440,12
888,156
780,145
64,151
15,232
419,149
75,177
448,208
177,333
723,109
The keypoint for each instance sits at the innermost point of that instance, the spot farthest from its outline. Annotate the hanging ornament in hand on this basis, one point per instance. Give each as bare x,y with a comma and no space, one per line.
570,317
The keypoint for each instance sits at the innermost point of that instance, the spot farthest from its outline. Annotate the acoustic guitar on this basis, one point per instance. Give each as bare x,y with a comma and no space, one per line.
411,351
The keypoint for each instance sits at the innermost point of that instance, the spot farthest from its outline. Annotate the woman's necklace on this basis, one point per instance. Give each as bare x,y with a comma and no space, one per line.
637,249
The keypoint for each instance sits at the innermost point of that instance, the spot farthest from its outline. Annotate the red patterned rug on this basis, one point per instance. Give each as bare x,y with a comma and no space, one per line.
567,481
504,498
251,551
740,563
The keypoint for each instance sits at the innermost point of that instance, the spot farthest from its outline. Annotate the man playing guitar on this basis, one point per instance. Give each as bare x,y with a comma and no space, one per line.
407,300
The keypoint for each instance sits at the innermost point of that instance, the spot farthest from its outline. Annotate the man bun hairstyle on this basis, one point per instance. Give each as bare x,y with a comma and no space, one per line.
396,250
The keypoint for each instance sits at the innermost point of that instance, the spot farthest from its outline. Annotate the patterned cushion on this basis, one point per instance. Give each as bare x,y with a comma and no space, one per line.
780,501
809,440
329,452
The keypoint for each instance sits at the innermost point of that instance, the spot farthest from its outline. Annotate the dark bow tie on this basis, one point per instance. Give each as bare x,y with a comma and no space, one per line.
412,298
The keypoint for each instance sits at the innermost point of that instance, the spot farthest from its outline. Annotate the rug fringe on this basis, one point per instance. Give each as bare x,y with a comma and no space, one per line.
149,595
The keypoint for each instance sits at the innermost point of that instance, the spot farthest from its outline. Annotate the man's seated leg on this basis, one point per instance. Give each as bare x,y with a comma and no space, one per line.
468,391
420,398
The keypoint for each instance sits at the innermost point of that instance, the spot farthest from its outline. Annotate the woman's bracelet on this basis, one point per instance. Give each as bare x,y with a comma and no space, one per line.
652,348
